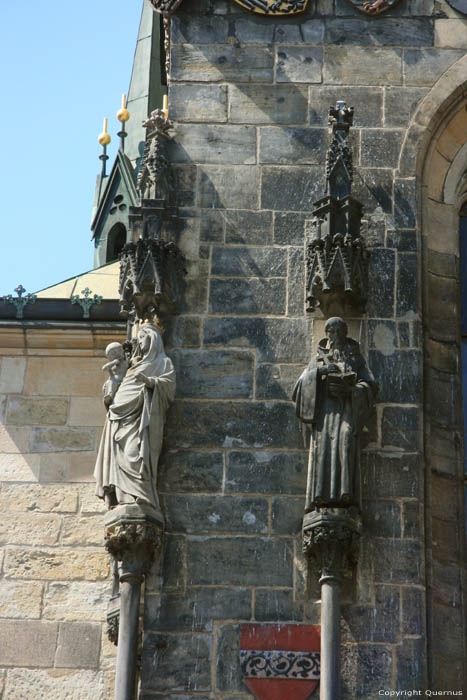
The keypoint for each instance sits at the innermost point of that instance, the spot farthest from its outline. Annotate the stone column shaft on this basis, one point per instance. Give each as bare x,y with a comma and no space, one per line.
125,676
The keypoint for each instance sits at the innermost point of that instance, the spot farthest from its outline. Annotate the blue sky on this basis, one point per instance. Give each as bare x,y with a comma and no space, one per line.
65,66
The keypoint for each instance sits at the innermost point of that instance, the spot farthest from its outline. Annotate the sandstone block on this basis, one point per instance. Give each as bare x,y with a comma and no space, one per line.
198,103
373,623
19,467
391,476
60,439
27,643
397,561
239,561
368,99
14,439
31,411
400,104
287,515
75,600
451,33
20,599
358,65
81,685
64,376
268,104
29,528
78,645
53,467
291,188
276,381
53,499
366,669
228,673
211,63
80,530
299,64
382,518
207,514
266,472
81,466
289,228
395,31
425,66
292,145
199,30
248,262
380,146
56,564
86,411
277,605
12,371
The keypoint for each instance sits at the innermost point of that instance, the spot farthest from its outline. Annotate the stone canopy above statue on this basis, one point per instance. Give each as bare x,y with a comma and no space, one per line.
336,257
269,8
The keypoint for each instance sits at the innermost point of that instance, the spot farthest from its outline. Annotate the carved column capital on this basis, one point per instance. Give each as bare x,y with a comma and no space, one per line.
133,535
330,539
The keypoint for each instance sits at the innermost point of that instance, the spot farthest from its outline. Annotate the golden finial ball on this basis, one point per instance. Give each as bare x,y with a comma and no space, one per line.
123,115
104,138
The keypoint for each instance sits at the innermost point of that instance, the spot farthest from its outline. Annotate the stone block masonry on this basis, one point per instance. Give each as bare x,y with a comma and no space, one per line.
233,474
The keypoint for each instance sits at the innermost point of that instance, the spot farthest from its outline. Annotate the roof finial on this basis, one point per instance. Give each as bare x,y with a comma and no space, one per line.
123,116
104,140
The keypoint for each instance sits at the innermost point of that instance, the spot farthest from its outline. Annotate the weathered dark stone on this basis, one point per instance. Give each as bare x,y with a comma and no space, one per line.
381,283
228,673
398,375
182,331
198,30
211,227
405,203
214,373
390,476
367,113
173,554
442,315
411,663
249,262
380,146
411,520
239,561
195,610
397,561
188,472
287,515
268,104
444,397
211,63
373,188
425,66
382,336
400,428
276,381
413,610
184,178
239,296
299,64
289,229
444,497
368,623
296,282
444,264
402,240
213,143
291,188
276,340
233,424
407,293
266,472
292,145
228,187
198,103
207,514
382,518
383,66
446,584
251,227
404,334
392,31
178,662
401,103
275,605
366,669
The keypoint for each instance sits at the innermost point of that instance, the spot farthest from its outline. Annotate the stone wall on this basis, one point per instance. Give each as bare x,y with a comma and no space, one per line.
249,97
54,580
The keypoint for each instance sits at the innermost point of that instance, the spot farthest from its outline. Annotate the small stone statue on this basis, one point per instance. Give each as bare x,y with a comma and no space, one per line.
335,395
137,399
116,367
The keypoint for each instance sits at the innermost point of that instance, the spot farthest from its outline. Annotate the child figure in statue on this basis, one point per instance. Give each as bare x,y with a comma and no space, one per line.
116,367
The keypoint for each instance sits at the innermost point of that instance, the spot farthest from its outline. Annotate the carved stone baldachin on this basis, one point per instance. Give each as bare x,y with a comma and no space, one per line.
336,255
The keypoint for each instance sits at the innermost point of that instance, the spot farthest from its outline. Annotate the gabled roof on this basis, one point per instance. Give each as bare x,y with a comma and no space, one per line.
120,181
102,281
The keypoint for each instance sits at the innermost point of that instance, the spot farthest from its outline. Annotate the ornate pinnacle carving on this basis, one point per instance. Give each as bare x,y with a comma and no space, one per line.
337,268
165,7
154,175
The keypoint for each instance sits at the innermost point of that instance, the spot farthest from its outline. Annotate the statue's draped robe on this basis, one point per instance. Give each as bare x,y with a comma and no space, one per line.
132,436
336,424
